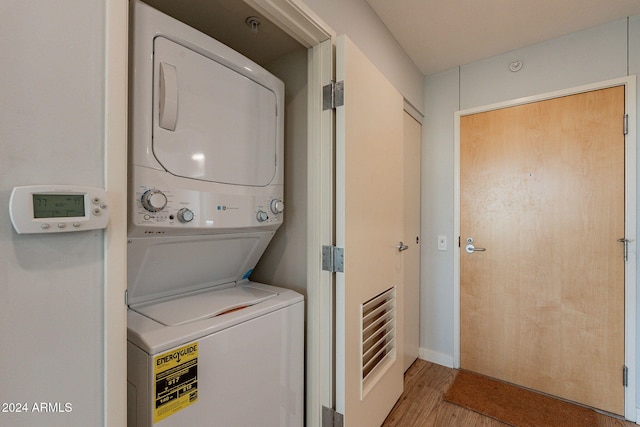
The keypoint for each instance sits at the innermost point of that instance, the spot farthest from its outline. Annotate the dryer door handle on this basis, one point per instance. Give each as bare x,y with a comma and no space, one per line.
168,96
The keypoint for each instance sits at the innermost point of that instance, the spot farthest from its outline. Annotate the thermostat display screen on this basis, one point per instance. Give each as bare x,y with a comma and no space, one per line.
58,205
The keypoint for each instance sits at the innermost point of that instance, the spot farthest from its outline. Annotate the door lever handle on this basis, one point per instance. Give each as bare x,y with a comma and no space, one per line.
625,248
402,247
471,249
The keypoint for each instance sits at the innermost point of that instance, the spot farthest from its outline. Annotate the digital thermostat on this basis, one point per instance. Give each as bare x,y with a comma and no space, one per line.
58,208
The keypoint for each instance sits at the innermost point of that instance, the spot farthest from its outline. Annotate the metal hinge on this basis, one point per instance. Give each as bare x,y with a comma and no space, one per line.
333,259
625,376
331,418
333,95
625,124
126,297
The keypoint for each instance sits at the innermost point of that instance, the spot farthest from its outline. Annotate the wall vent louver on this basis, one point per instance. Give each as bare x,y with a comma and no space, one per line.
378,333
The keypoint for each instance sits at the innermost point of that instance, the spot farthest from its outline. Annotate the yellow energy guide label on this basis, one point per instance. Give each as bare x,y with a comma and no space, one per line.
176,380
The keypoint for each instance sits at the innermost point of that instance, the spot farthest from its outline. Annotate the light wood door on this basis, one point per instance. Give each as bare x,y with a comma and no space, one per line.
542,190
411,258
369,226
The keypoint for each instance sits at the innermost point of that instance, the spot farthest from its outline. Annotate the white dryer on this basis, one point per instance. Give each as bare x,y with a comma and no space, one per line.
206,346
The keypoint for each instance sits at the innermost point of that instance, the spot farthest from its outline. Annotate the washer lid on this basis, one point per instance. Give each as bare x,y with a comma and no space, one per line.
163,267
204,305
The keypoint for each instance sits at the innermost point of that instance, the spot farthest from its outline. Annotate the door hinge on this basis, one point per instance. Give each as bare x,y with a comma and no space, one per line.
126,297
331,418
333,259
625,124
333,95
625,376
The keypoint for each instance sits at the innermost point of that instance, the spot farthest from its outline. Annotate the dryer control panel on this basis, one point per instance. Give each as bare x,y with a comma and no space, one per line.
160,211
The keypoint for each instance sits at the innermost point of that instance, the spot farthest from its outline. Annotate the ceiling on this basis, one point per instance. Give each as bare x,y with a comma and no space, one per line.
441,34
436,34
224,20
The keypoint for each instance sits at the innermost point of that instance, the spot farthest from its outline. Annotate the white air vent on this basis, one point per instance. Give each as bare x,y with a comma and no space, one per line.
378,337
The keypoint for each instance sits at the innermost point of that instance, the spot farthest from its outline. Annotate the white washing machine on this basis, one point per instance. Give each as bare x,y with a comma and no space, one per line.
242,368
206,346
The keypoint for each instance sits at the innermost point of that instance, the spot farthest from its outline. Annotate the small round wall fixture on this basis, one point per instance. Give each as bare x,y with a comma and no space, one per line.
515,66
253,22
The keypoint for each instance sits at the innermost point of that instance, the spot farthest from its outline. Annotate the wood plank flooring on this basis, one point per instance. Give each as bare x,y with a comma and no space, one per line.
422,404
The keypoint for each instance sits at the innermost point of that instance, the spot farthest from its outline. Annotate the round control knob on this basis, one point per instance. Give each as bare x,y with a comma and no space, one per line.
277,206
262,216
154,200
185,215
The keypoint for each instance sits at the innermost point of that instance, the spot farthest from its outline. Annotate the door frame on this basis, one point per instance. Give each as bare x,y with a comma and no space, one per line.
115,97
300,22
630,220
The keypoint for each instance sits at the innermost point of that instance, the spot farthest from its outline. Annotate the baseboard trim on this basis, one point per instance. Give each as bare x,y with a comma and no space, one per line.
435,357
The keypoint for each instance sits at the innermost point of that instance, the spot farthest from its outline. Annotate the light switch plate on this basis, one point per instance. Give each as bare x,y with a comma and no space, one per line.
442,243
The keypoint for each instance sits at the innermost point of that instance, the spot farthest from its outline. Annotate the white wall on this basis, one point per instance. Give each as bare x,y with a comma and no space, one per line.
51,286
593,55
436,267
357,19
589,56
284,263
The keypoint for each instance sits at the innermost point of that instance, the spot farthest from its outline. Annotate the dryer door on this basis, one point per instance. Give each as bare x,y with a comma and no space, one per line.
210,122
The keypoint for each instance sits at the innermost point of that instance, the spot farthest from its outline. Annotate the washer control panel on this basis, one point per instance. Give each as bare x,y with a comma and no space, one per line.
58,208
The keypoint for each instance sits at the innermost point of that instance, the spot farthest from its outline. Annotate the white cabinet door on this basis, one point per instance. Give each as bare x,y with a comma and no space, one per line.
369,226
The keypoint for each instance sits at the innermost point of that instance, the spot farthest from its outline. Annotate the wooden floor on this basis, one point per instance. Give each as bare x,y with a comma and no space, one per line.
421,404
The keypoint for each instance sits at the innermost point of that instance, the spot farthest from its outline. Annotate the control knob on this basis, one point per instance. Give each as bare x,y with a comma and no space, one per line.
154,200
277,206
262,216
185,215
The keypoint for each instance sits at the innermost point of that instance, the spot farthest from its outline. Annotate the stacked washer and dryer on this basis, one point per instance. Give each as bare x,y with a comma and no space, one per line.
206,346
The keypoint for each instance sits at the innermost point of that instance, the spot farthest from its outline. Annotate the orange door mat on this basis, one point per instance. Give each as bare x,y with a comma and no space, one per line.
514,405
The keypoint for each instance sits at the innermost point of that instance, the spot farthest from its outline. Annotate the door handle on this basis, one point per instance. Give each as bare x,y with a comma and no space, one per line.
402,247
168,96
471,249
625,248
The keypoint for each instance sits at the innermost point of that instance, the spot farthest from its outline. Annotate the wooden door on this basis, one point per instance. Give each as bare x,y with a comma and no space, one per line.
369,226
411,258
542,190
